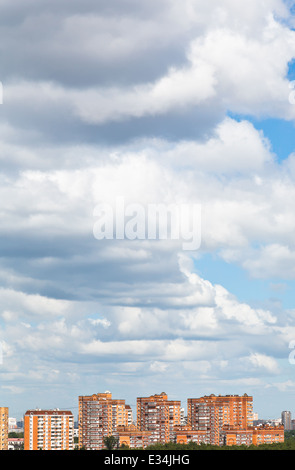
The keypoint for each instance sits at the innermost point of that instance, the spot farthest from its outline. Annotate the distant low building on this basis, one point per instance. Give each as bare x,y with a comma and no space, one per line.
12,424
15,443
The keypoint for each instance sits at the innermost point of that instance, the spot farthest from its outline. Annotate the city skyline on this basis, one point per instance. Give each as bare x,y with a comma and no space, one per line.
133,404
111,109
214,420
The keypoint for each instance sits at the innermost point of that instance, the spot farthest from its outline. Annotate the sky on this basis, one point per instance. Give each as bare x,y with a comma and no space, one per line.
189,104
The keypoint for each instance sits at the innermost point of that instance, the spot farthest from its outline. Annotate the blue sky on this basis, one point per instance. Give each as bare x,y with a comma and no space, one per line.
153,102
281,136
247,289
279,132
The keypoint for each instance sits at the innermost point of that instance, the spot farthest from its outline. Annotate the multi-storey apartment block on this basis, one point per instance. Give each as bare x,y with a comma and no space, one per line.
211,413
286,419
3,428
184,434
158,415
236,436
99,417
268,434
130,436
48,430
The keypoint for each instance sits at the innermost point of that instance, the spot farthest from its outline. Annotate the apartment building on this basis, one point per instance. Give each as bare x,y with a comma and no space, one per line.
3,428
268,434
99,416
48,430
130,436
185,434
236,436
211,413
15,443
286,419
158,415
128,415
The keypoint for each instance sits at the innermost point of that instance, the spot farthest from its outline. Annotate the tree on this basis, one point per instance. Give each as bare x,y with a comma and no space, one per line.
110,442
124,447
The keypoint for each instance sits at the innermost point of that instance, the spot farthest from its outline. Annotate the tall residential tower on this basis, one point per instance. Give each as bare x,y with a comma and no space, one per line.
99,417
48,430
158,415
3,428
211,413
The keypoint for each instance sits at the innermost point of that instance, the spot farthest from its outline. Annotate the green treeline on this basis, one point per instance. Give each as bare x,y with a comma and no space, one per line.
288,444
